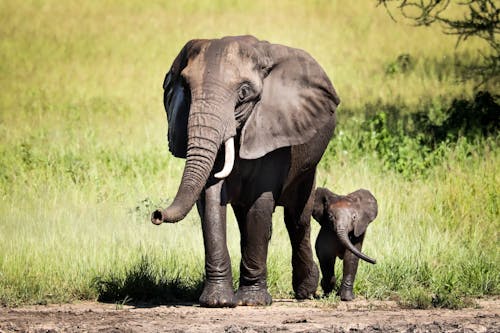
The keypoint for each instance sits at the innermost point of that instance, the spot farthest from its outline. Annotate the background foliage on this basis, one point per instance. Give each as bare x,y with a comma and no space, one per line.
84,160
464,19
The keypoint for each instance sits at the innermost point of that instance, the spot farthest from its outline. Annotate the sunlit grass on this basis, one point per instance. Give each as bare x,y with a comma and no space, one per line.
83,155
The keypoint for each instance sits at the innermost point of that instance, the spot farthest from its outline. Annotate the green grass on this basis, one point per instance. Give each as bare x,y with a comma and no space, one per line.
83,155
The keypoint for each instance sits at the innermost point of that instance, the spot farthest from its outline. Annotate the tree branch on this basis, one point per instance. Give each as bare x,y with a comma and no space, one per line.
481,20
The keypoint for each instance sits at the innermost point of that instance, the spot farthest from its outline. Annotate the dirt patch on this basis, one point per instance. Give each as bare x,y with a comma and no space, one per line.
282,316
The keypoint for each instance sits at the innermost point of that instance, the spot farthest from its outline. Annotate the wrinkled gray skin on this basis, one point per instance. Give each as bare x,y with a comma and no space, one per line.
278,106
343,221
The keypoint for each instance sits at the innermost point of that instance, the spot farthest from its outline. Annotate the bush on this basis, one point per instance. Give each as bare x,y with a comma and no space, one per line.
412,142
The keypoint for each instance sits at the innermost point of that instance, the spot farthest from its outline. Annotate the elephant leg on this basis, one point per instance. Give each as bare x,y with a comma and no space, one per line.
328,281
350,269
218,289
255,225
327,248
305,272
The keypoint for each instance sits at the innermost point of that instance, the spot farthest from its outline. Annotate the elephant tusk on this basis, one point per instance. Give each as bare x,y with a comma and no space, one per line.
228,160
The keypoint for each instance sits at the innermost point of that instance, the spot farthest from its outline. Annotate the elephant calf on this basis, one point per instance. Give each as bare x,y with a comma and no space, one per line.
343,221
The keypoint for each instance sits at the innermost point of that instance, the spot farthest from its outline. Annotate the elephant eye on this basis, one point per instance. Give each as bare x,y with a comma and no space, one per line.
244,92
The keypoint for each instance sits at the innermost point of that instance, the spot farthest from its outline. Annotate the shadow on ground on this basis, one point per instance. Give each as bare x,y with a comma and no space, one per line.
142,286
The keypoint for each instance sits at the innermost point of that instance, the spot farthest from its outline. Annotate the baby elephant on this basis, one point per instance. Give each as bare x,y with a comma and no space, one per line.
343,221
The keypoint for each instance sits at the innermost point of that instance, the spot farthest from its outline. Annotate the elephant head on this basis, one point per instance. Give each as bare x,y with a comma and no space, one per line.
346,214
246,95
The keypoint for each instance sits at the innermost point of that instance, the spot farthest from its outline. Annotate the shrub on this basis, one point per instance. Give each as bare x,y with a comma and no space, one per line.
413,142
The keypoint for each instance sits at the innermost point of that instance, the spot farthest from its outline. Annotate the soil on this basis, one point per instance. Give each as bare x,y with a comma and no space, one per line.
282,316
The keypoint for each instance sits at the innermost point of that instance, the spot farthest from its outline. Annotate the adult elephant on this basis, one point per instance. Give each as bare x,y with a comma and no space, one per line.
272,107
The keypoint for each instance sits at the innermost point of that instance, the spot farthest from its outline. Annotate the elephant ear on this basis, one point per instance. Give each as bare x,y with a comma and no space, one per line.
177,99
297,100
323,198
367,209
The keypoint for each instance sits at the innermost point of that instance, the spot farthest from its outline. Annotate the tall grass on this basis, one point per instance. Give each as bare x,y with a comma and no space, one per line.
83,156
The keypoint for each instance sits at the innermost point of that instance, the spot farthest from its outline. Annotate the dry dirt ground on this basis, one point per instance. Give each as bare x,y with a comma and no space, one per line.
282,316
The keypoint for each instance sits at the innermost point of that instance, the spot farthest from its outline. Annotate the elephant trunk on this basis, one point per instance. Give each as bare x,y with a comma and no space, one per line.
342,234
205,136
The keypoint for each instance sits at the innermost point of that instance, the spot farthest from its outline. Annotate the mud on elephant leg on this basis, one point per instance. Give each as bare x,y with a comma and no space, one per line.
255,227
218,289
305,274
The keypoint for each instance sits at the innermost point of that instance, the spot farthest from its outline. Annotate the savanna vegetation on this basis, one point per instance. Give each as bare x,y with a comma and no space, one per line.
84,159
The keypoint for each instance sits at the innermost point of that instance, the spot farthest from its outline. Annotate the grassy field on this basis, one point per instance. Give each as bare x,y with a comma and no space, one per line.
84,160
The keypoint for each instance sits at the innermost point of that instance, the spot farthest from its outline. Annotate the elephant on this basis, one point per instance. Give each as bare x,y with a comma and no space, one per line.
263,114
343,221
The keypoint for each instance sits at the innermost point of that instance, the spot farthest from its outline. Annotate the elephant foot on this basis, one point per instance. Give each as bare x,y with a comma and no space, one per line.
218,295
253,296
327,286
306,288
346,294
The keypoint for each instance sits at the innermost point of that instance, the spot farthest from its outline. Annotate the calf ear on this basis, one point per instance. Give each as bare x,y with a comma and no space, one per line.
319,205
367,208
322,200
360,225
177,99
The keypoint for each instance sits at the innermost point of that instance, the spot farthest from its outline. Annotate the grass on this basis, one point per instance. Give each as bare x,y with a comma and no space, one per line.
83,156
